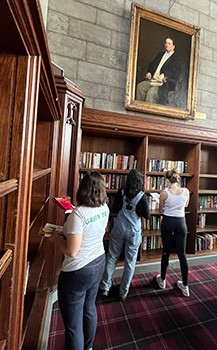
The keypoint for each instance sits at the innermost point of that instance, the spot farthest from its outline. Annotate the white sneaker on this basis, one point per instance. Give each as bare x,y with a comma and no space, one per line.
104,292
184,289
161,283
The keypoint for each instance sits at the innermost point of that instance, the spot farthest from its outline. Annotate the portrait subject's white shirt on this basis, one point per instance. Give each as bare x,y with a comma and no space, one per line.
161,63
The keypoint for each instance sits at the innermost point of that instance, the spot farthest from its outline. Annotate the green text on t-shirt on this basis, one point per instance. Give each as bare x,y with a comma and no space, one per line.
96,217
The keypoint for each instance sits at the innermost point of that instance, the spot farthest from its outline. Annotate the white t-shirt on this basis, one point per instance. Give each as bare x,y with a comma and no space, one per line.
91,222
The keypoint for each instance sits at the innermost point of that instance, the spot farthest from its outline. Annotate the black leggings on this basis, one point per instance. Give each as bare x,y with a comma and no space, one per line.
177,226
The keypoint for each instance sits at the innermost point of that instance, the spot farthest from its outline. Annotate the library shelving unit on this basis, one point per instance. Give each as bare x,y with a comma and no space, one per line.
165,154
29,110
207,200
192,149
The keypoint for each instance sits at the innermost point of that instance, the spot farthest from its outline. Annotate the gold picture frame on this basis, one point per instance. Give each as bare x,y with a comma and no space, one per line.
149,30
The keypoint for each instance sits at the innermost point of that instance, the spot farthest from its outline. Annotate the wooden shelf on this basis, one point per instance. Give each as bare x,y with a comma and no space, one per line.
155,212
109,190
162,173
214,192
207,210
8,186
207,228
208,176
155,255
153,191
5,260
152,255
146,233
206,252
105,171
38,173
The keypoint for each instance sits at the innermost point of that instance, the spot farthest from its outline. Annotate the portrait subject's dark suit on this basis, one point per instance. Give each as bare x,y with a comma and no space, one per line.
172,72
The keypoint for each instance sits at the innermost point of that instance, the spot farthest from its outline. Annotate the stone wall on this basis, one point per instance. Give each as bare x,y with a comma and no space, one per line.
89,39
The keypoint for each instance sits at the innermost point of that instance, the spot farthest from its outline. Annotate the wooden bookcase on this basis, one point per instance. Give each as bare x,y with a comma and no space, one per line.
207,200
29,111
69,142
146,139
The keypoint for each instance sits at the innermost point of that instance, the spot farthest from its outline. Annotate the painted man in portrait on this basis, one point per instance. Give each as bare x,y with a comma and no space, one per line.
161,76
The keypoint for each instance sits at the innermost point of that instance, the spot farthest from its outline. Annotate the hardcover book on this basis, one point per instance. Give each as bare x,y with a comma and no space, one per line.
64,203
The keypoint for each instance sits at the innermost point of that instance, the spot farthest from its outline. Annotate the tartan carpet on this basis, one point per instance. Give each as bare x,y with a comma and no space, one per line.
154,319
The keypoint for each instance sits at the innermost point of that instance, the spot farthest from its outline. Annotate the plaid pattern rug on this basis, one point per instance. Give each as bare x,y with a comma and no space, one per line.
154,319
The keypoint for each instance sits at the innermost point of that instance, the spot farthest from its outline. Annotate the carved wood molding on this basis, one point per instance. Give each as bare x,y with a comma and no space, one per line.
113,122
8,186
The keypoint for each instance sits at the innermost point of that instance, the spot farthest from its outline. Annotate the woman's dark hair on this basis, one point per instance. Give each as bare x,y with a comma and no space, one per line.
173,176
92,190
134,184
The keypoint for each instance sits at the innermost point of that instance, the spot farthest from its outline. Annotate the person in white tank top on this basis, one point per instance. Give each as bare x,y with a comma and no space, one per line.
173,200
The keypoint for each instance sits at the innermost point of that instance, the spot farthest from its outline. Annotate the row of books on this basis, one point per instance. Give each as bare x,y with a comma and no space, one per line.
107,161
206,241
158,182
155,182
151,242
207,202
112,181
154,164
152,224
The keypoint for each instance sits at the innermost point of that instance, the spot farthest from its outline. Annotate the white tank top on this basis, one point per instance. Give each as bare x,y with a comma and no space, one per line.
175,204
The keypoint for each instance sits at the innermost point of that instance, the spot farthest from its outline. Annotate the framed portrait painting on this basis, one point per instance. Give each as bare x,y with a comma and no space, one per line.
162,65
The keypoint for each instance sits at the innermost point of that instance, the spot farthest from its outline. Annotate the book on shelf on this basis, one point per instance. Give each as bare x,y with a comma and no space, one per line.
96,160
155,196
64,203
201,220
131,162
153,202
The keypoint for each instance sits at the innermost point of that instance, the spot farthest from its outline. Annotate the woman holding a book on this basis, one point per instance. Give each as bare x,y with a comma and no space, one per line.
84,262
173,200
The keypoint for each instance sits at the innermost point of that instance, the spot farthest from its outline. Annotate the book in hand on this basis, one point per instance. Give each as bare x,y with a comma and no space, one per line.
64,203
49,229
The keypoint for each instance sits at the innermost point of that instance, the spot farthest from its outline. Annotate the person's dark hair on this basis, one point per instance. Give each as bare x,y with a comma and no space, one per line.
134,184
173,176
92,190
169,37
